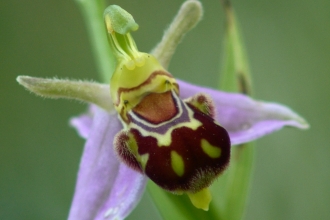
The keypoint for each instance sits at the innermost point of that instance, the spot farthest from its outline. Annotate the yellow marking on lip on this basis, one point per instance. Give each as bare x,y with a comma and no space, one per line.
177,163
133,147
144,160
165,140
210,150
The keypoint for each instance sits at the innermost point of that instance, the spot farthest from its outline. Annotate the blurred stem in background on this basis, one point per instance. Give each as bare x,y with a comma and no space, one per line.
233,186
235,77
92,11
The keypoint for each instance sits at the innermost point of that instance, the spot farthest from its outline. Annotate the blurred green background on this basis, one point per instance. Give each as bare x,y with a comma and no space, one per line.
288,43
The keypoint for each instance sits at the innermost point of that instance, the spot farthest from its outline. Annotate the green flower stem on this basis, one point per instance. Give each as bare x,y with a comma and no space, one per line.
239,178
235,74
179,207
235,184
92,11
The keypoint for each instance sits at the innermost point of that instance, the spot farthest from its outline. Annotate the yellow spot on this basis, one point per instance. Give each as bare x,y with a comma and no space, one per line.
201,199
177,163
165,140
132,145
211,151
143,160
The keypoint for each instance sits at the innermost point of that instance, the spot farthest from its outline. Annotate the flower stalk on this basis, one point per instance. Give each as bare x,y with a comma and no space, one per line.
236,77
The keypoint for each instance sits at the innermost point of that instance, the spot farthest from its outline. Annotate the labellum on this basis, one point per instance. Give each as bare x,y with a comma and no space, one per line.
176,143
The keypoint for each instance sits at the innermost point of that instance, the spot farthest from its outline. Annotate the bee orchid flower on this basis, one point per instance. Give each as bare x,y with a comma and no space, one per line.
148,125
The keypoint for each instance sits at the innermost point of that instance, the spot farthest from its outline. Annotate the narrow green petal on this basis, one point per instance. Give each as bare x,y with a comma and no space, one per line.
89,92
188,16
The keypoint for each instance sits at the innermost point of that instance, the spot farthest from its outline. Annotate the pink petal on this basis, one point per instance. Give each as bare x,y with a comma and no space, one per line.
101,175
244,118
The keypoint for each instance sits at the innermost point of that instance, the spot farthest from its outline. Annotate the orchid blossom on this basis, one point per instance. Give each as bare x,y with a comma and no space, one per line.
147,124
